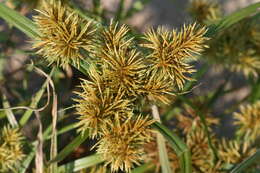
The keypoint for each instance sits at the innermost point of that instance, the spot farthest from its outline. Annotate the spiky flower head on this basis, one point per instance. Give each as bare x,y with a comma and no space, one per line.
189,120
98,106
122,63
169,51
232,151
158,88
201,154
204,11
248,120
235,51
11,149
122,144
63,34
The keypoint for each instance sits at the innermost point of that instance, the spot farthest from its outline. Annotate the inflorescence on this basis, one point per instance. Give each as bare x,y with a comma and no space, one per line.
122,71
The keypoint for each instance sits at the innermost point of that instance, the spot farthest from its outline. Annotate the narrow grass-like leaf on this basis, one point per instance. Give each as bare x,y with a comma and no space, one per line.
233,18
81,164
65,129
22,23
70,147
246,163
178,145
163,154
10,115
35,100
143,168
29,157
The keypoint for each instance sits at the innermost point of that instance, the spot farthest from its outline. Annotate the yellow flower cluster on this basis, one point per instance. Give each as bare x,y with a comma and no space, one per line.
11,149
248,120
122,72
236,48
63,34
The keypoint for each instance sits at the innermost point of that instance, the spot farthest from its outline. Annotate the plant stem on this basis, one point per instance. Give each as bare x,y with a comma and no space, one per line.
163,156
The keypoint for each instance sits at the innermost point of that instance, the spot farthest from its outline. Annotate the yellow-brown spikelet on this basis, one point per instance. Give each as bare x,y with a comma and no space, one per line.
63,34
97,106
190,120
204,11
247,64
232,151
11,149
201,155
122,144
125,69
248,120
235,51
158,87
113,37
170,50
121,63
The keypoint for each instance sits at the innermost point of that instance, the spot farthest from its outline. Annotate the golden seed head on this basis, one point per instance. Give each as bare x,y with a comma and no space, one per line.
239,53
188,120
11,149
201,155
170,50
204,11
233,152
120,62
158,88
122,143
248,120
63,34
97,106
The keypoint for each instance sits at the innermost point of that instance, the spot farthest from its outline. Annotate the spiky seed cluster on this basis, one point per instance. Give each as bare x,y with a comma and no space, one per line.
122,144
248,120
122,75
99,106
204,11
188,119
11,149
200,152
63,34
120,61
235,152
239,53
170,50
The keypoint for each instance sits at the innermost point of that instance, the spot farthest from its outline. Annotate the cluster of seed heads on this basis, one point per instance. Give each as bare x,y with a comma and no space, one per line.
122,71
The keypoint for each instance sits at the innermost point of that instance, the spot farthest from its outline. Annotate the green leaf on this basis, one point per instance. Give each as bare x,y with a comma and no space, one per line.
178,145
35,101
10,115
81,164
246,163
233,18
29,157
143,168
70,147
22,23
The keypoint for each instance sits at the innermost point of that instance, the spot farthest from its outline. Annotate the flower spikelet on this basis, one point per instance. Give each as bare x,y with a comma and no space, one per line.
248,121
63,34
170,50
122,143
200,152
98,107
11,149
122,63
158,87
231,151
204,11
189,119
